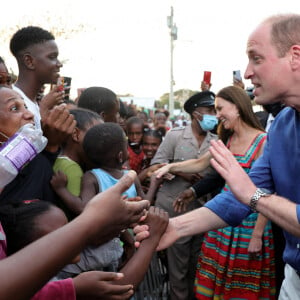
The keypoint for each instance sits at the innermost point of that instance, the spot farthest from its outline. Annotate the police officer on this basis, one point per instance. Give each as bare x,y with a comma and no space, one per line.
183,143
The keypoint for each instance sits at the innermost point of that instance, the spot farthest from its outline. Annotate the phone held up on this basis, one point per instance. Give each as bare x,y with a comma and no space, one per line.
64,84
207,77
237,75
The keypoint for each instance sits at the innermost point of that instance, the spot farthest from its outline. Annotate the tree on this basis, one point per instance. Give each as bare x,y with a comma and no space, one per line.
180,96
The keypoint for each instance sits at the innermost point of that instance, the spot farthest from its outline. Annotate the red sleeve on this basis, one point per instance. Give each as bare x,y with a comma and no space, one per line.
57,290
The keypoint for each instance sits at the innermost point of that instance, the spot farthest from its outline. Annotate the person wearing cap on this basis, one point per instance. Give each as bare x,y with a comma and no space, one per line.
180,144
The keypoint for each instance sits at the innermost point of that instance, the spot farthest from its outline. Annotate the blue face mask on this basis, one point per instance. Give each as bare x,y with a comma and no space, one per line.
208,122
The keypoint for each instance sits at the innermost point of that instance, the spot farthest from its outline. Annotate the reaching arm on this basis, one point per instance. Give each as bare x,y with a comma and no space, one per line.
154,185
278,209
148,172
188,166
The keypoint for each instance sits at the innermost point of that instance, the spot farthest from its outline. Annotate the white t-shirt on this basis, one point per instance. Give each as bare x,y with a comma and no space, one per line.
32,106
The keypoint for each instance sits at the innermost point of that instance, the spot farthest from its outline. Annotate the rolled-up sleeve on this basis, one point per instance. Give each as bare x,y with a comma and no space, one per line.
228,208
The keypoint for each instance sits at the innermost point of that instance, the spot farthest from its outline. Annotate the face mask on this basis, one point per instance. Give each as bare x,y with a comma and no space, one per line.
208,122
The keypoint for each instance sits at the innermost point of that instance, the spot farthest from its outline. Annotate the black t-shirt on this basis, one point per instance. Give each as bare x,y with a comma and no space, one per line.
33,181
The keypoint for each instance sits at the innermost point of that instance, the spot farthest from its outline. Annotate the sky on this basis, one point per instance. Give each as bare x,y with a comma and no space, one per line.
124,45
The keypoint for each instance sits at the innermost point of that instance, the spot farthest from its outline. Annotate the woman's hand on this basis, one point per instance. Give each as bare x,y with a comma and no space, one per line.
255,247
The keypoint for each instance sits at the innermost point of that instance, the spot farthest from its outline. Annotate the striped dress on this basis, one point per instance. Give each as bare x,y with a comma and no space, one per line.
225,269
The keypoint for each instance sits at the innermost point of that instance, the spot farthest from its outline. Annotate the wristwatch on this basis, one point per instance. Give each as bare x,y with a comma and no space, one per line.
260,192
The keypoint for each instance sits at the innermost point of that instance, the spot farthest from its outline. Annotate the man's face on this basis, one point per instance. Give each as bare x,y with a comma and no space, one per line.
270,74
45,60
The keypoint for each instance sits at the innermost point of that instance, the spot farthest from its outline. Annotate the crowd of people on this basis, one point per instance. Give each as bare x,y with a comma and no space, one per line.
215,196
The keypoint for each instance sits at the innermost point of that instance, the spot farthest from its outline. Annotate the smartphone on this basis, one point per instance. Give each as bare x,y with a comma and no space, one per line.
237,75
60,84
207,77
67,87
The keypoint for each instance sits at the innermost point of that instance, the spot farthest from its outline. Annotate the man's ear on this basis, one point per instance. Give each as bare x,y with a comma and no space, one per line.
295,57
28,61
75,135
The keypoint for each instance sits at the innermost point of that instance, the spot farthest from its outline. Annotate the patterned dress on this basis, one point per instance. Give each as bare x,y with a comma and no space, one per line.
225,269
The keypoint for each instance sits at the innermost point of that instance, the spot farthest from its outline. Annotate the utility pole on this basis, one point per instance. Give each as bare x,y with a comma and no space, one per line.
173,37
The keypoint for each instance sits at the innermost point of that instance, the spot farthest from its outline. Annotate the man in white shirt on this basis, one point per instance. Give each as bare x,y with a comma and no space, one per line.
36,53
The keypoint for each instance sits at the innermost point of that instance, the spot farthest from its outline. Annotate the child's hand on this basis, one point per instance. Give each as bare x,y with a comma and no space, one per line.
101,285
157,220
59,180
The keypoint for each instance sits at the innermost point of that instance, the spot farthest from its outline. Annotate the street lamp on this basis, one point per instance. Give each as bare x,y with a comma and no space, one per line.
173,37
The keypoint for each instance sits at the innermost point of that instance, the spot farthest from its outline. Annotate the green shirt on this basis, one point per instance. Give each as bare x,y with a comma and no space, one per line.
73,172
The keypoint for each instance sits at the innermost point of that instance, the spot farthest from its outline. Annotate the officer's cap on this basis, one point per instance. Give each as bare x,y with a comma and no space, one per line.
202,99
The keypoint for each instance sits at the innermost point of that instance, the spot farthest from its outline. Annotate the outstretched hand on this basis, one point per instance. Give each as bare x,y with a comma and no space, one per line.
228,167
154,168
159,173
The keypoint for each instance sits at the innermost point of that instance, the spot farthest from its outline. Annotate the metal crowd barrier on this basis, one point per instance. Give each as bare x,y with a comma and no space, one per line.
155,285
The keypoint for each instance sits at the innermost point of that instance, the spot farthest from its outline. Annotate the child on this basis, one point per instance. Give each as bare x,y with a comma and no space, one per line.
151,141
134,129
